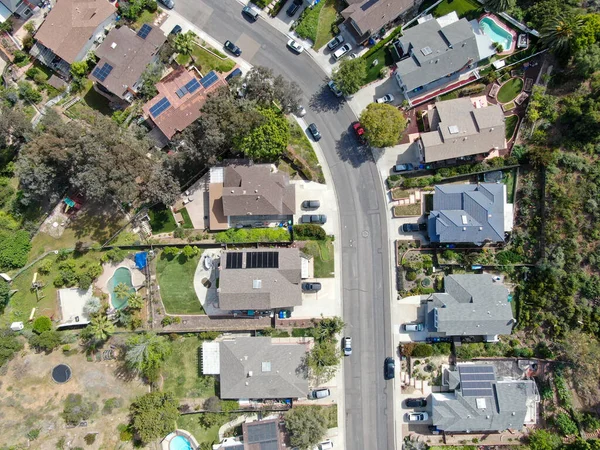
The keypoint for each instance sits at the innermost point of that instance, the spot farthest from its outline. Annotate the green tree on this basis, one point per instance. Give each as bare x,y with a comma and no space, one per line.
560,32
4,294
323,360
327,327
150,77
307,426
47,341
153,415
42,324
587,60
267,141
267,89
122,291
79,69
146,354
541,439
135,301
29,92
422,350
77,409
101,328
14,248
189,252
9,345
589,33
499,5
184,42
350,75
565,424
383,124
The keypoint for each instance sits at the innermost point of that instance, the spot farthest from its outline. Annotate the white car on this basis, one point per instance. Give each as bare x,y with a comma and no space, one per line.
325,445
295,46
418,417
387,98
342,51
353,56
347,346
301,112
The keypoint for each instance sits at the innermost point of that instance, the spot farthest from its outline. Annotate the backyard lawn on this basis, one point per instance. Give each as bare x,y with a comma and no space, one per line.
408,210
303,148
327,18
510,124
162,220
464,8
322,251
206,61
191,423
509,180
187,221
145,17
176,281
510,90
182,374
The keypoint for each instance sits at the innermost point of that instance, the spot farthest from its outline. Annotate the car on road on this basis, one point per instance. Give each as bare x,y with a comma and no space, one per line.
417,417
319,393
325,445
250,13
294,7
311,286
236,73
413,327
314,131
311,204
402,168
416,402
168,3
359,131
301,111
313,218
387,98
342,51
176,30
334,89
347,346
233,48
389,368
295,46
335,42
410,227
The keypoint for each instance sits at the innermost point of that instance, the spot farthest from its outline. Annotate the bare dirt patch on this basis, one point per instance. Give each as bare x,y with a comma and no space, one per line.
30,400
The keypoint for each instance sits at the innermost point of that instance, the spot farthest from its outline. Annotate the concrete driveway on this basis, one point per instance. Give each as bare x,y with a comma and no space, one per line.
408,310
377,89
309,190
323,302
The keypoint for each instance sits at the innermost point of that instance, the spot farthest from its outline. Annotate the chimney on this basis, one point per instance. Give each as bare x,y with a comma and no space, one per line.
113,45
249,374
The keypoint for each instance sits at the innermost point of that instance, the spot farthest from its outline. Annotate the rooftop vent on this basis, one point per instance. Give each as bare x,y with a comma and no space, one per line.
480,403
464,219
266,366
453,129
426,51
113,45
249,373
464,228
256,284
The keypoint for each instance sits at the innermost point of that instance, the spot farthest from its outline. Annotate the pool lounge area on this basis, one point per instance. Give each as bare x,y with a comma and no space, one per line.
498,32
123,272
179,440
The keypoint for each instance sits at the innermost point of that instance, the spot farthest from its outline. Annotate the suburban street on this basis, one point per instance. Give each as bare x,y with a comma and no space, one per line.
365,264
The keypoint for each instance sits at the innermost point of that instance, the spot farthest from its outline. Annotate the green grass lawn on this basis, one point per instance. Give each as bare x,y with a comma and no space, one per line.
322,251
176,281
302,147
507,107
190,422
510,90
183,60
162,220
90,100
187,221
511,124
182,374
408,210
327,18
384,58
145,17
470,9
509,180
450,95
309,25
206,61
399,193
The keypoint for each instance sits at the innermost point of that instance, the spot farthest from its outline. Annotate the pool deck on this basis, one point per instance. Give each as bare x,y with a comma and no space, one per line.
501,24
108,270
165,443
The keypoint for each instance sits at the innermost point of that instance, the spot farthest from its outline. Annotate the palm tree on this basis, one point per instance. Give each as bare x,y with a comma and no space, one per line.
101,328
184,43
122,291
498,5
135,301
558,34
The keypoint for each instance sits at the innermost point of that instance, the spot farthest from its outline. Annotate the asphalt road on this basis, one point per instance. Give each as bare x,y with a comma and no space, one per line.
365,251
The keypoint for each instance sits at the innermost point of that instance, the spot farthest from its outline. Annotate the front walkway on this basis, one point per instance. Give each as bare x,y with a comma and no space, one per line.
208,296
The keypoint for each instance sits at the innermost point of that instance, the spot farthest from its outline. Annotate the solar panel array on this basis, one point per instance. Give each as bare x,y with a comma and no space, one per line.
210,79
181,92
144,31
102,72
262,260
477,380
160,107
192,86
234,260
263,433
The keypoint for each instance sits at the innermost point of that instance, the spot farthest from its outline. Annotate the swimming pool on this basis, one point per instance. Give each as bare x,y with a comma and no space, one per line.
180,443
496,32
121,275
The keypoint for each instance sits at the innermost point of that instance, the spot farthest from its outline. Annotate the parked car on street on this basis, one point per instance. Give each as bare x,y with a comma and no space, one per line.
311,286
319,393
233,48
250,13
416,402
387,98
301,111
176,30
295,46
335,42
314,218
417,417
347,346
402,168
334,89
359,131
168,3
325,445
389,368
311,204
314,131
342,51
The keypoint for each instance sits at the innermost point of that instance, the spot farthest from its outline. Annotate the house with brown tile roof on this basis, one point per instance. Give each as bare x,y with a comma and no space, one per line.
124,56
367,17
184,92
71,29
248,193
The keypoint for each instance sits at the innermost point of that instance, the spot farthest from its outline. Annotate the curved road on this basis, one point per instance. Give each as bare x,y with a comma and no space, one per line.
365,251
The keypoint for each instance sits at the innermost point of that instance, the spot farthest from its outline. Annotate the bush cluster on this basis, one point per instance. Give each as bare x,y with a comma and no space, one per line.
244,235
309,231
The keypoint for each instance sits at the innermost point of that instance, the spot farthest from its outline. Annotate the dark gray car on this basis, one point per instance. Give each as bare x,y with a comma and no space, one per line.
311,204
314,218
311,287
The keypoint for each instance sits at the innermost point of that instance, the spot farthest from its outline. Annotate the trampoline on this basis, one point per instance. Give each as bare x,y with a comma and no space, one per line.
61,373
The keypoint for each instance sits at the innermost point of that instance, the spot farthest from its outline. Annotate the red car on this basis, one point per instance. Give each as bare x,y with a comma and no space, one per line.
360,131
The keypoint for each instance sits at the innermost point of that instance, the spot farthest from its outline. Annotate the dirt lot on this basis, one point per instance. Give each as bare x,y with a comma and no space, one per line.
30,399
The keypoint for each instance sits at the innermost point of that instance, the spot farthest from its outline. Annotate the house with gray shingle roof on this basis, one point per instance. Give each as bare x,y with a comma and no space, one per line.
471,305
365,18
438,52
258,367
482,402
470,213
459,129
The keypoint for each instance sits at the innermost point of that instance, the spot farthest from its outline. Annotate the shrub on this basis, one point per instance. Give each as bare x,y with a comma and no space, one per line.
411,275
309,231
309,22
32,435
90,438
422,350
179,233
472,89
20,57
29,93
442,348
45,267
245,235
565,424
42,324
77,409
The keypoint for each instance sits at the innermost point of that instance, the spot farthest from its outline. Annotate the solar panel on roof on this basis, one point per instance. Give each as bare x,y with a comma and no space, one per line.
192,86
160,107
102,72
477,376
476,381
475,369
234,260
262,433
144,31
262,260
210,79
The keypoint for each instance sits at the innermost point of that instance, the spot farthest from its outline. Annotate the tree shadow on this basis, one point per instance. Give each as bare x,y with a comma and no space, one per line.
97,222
324,101
350,150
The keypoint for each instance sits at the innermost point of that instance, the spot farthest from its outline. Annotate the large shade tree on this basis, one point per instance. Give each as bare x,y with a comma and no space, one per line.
350,75
383,124
153,415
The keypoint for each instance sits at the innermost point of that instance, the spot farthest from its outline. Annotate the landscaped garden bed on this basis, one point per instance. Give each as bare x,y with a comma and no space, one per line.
302,154
509,90
511,123
398,194
322,252
408,210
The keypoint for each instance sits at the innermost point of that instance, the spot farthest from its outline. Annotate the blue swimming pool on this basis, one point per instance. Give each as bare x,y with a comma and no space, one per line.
121,275
180,443
496,32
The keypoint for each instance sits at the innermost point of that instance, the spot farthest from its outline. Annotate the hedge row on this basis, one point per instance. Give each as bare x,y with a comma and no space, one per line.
245,235
309,231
